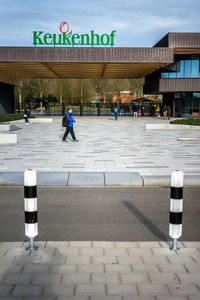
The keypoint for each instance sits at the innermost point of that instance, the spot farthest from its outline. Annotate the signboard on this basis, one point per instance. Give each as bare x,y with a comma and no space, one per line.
68,38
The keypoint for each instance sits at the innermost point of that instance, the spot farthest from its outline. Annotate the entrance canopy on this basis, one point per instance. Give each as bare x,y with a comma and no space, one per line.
17,63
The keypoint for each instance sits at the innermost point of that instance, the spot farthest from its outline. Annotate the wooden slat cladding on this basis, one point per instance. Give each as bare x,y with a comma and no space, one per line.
180,40
179,85
85,54
79,70
184,40
172,85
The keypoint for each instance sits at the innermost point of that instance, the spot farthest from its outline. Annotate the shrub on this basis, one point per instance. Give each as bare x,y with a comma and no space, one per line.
190,121
10,117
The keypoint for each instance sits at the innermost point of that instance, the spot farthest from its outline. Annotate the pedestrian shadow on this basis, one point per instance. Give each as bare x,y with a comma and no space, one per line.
148,223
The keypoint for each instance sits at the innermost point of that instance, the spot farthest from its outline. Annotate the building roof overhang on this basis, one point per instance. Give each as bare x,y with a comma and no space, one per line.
79,62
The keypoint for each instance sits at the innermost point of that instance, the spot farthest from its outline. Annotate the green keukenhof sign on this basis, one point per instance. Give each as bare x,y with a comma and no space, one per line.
66,38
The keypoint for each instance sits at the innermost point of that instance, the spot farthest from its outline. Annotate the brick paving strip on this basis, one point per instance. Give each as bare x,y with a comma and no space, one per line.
100,271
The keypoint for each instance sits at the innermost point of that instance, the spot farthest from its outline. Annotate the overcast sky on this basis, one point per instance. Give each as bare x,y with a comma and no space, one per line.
138,23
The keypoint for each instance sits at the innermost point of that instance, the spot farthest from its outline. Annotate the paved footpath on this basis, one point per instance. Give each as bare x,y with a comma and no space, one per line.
100,271
105,145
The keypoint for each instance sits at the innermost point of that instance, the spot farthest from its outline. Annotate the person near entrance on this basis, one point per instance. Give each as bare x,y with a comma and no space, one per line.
116,112
169,111
69,126
165,112
26,114
135,111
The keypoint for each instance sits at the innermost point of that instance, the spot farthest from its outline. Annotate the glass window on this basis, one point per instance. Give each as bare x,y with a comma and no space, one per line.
187,68
195,68
180,74
188,105
197,95
196,104
164,75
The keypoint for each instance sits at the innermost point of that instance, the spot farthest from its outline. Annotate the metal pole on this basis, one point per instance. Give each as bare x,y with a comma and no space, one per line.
174,245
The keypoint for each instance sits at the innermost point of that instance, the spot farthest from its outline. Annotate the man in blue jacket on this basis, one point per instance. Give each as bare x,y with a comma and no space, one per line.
116,112
69,126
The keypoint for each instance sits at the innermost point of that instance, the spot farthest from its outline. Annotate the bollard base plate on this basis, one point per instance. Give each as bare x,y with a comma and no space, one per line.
32,248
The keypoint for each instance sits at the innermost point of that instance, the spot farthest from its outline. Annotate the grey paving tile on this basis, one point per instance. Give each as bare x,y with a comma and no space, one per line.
123,179
117,268
27,290
5,290
184,289
7,269
52,178
105,278
35,269
172,268
104,259
142,268
91,268
121,289
59,290
90,289
17,279
149,180
62,269
139,298
80,244
86,179
12,177
72,298
39,298
11,298
153,289
76,278
171,298
134,278
46,279
189,278
79,260
192,268
91,251
106,298
116,252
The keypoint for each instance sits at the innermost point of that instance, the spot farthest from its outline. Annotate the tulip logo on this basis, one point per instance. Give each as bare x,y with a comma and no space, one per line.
64,27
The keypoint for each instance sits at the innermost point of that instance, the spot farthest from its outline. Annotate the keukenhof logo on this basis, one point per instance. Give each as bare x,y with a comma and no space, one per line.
68,38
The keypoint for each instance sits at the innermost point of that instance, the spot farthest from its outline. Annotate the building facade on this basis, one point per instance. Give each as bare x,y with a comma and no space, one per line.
179,82
171,68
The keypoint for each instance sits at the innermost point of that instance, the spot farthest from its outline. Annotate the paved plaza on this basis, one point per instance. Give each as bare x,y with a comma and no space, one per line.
100,271
105,145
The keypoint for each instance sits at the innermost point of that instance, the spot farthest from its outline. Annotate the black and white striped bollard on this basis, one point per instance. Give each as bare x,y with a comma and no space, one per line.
176,207
30,206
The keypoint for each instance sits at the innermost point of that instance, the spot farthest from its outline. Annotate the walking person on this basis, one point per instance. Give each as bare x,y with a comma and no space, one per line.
26,114
69,126
169,111
116,112
135,111
165,112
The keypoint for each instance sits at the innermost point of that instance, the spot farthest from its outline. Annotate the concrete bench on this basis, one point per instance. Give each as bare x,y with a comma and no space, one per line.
9,127
8,139
171,127
34,121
